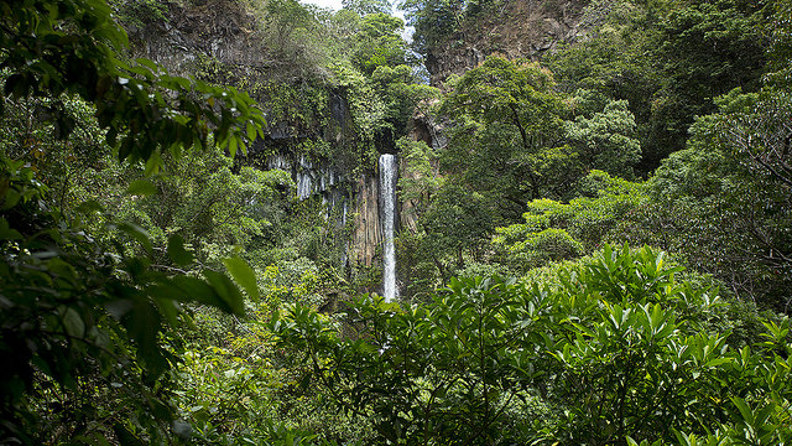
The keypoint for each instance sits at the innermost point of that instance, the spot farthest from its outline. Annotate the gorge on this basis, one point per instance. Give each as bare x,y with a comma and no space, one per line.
229,46
259,222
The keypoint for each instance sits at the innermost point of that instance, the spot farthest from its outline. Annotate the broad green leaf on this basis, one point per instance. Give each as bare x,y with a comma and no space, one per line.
142,187
137,233
73,323
227,291
176,251
6,233
126,437
191,289
89,207
243,274
745,410
11,199
144,324
232,145
149,64
718,361
154,164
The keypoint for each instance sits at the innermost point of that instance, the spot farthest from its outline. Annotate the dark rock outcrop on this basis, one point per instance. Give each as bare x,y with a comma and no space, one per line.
519,29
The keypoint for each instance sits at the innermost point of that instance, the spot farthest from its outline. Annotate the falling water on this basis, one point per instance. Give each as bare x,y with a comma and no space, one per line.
387,187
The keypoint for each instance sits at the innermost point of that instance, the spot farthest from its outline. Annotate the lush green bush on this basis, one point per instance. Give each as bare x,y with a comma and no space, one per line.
609,348
724,203
555,231
88,321
87,318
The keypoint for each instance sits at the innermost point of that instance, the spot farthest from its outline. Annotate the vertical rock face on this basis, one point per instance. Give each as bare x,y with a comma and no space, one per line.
520,28
367,234
426,129
217,28
408,211
311,179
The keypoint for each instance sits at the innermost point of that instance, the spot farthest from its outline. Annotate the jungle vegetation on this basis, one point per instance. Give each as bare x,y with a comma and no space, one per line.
601,254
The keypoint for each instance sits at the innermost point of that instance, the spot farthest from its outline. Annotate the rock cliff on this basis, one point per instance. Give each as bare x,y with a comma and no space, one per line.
519,28
220,29
367,235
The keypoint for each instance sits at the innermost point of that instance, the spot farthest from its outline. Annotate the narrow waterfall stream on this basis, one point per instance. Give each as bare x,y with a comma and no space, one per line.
388,171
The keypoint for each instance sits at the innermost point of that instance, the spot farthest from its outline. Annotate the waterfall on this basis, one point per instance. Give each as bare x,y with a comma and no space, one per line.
388,171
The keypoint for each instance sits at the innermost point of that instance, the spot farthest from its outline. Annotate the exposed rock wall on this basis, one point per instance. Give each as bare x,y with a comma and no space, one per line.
408,215
520,28
313,180
367,234
224,31
221,29
425,129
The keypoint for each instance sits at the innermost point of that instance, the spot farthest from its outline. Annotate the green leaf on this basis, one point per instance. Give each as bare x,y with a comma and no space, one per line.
141,187
144,324
169,310
89,207
126,437
232,145
718,361
154,163
176,251
6,233
148,64
227,291
745,411
137,233
191,289
243,274
73,323
11,199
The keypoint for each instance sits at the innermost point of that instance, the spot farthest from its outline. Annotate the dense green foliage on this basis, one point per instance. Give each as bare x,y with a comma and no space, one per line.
436,20
514,138
54,48
86,310
669,61
650,79
164,281
612,348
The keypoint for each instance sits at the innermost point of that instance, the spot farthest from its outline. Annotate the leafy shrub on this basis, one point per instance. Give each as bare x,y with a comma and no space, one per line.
557,231
613,350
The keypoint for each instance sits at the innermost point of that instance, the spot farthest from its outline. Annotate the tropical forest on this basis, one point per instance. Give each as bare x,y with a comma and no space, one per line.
407,222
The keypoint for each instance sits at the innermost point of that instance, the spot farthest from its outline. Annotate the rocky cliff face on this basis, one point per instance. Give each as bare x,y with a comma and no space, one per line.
520,28
426,129
367,234
220,29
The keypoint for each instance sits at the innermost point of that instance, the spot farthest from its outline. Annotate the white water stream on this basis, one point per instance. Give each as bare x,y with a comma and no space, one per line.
388,171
